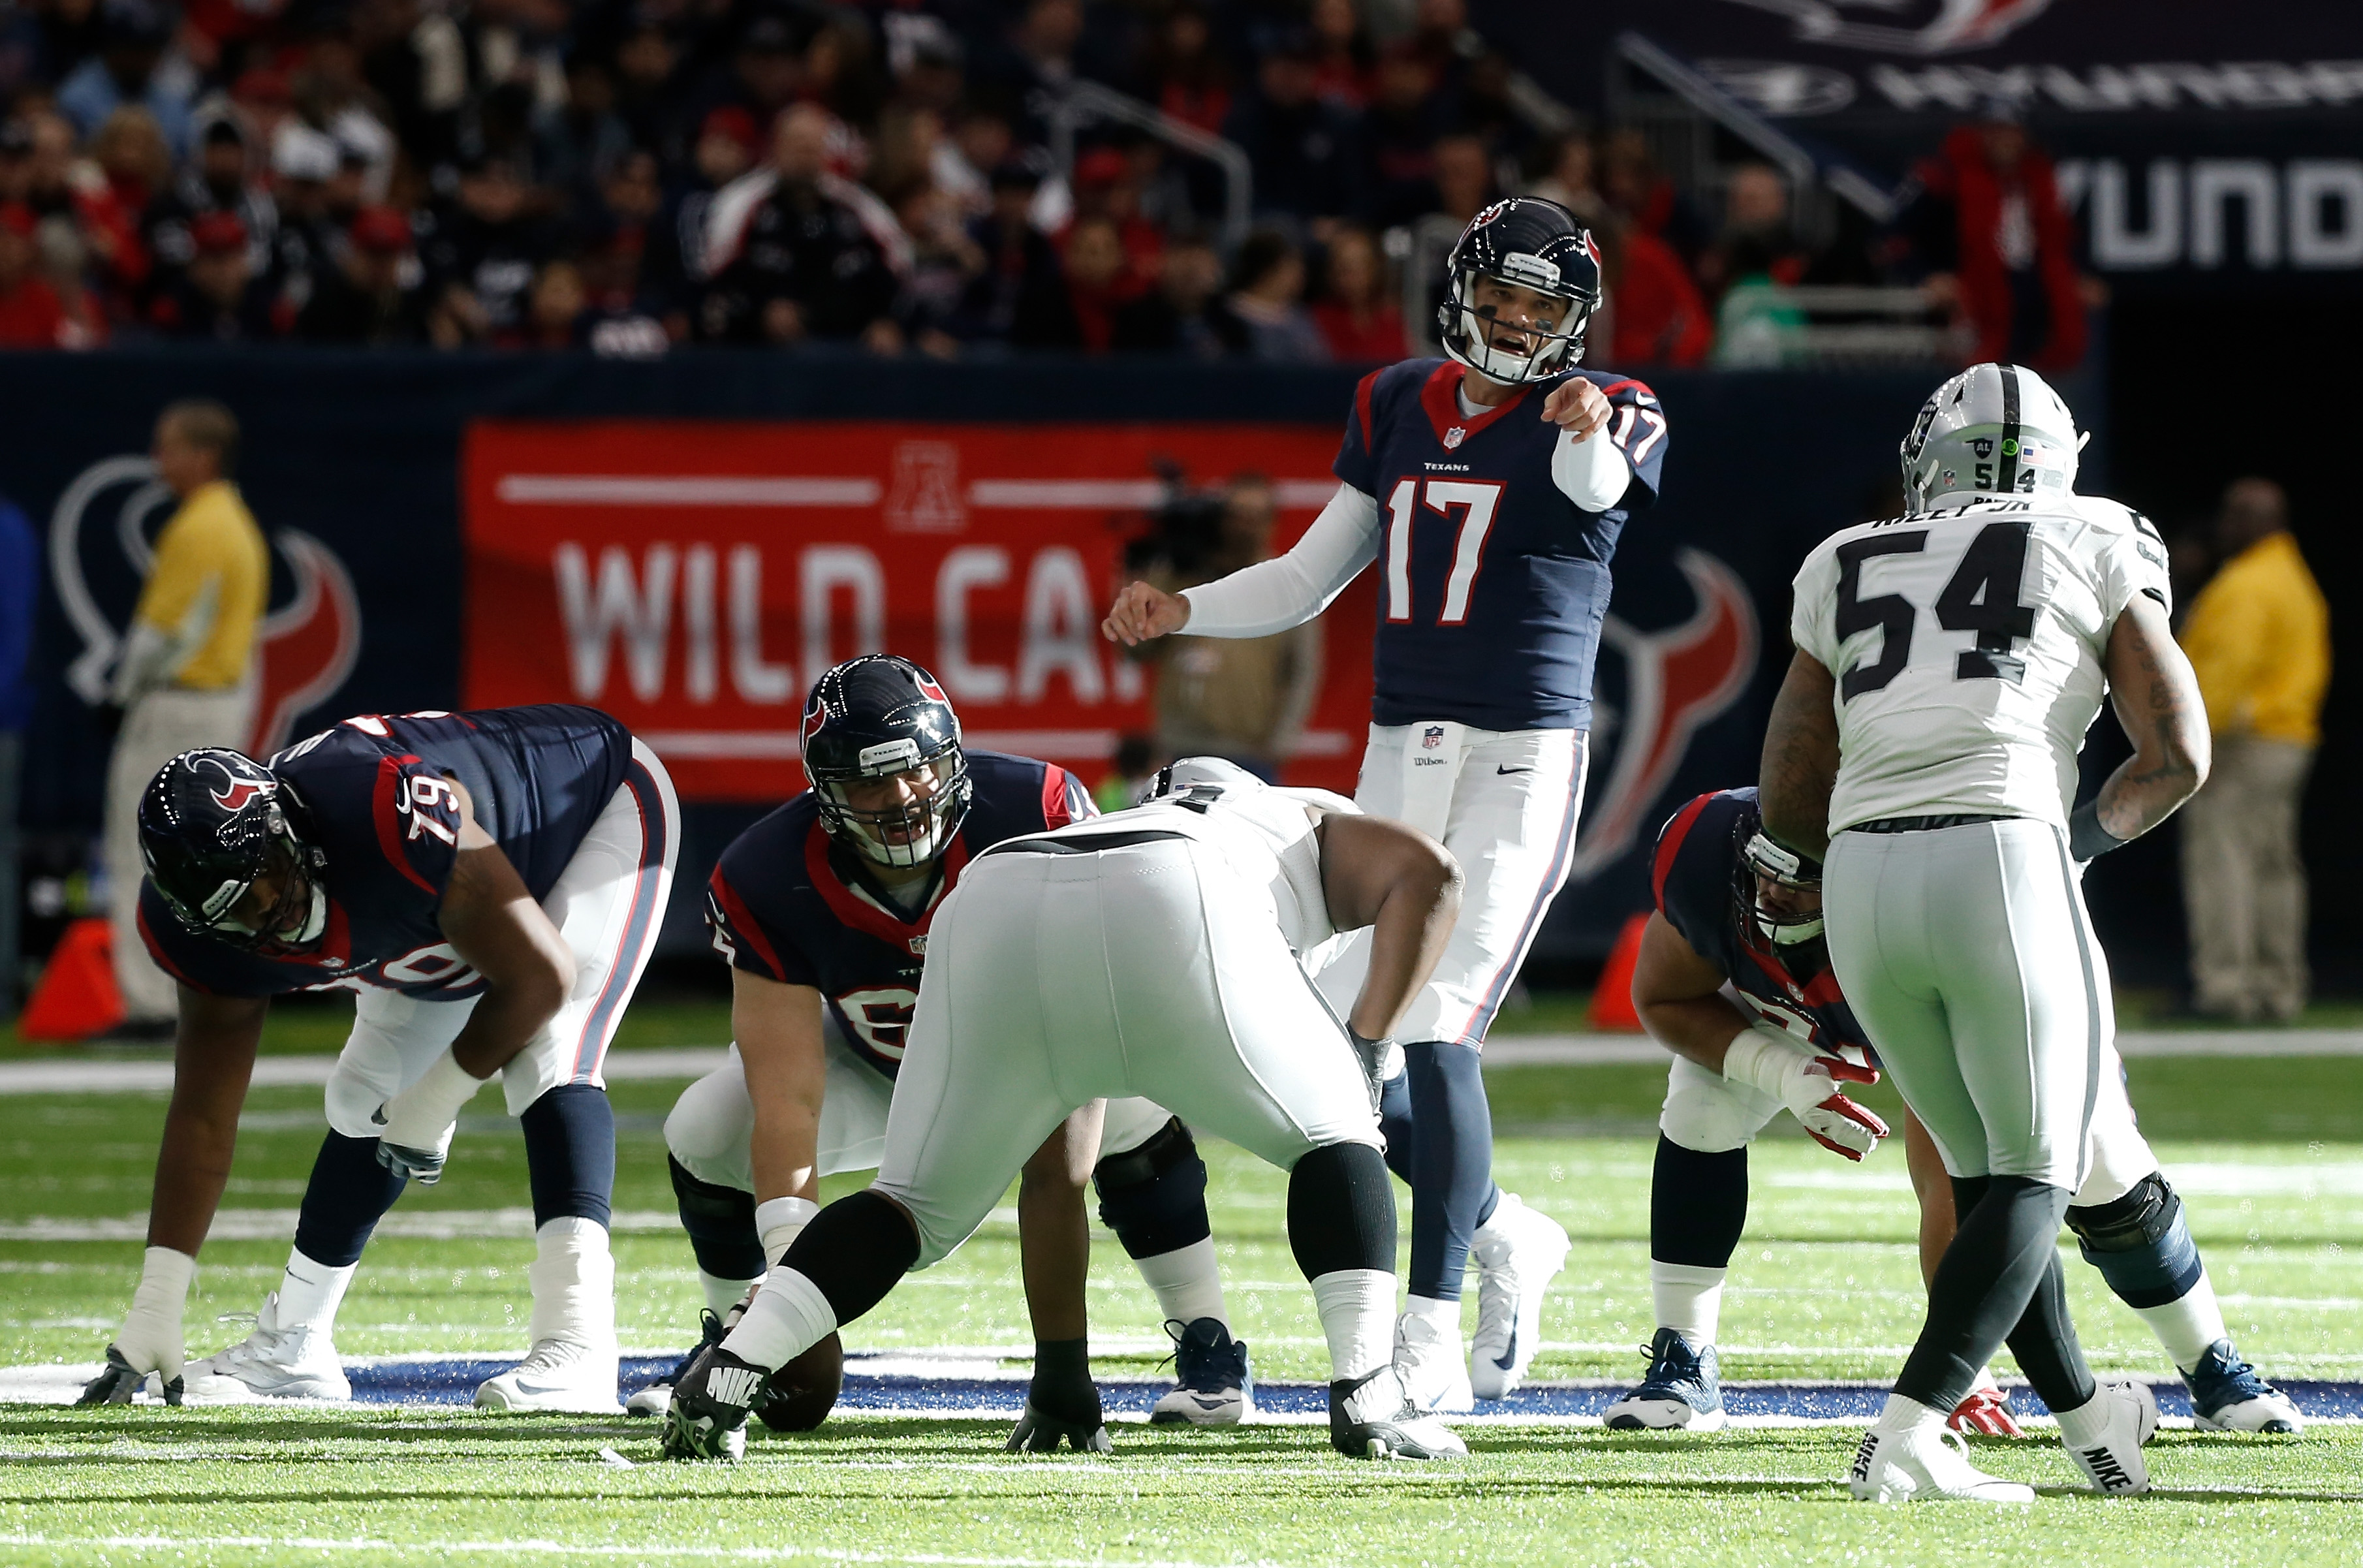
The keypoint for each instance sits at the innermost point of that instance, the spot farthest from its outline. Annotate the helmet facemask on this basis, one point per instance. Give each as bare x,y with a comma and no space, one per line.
1788,922
1555,315
898,809
296,915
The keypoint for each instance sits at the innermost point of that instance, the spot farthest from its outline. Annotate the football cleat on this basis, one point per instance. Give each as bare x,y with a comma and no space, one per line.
274,1362
1519,1251
1925,1464
1212,1385
1427,1358
556,1374
2227,1396
657,1397
1372,1417
1986,1411
1684,1389
2112,1462
707,1417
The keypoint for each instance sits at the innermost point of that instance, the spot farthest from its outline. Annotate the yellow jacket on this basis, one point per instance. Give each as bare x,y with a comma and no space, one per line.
2258,637
208,587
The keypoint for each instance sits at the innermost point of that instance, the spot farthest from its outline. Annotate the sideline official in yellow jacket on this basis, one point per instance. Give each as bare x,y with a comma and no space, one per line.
187,675
2258,638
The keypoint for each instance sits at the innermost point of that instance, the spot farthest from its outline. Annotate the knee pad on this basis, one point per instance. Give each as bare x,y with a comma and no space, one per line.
1707,1114
2140,1243
708,1126
352,1100
721,1225
570,1153
1154,1198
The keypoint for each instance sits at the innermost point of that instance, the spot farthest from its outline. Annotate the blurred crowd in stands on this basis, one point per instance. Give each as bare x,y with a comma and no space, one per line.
630,175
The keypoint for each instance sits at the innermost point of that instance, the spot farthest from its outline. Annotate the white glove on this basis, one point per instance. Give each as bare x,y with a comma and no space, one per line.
150,1340
1808,1084
778,1221
415,1128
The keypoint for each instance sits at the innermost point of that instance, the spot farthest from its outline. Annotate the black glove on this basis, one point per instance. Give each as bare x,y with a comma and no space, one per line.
1373,1054
118,1382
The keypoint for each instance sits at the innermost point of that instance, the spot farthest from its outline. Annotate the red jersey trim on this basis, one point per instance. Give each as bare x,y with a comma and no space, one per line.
860,913
1437,397
1669,845
387,811
1614,387
156,952
743,924
1055,784
1362,393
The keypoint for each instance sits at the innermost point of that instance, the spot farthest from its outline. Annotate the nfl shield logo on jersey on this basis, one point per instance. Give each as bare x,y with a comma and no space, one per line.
1454,436
1433,737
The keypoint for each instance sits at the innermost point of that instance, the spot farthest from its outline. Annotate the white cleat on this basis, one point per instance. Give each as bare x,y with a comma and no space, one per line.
273,1363
1371,1416
2112,1462
1427,1358
1518,1251
558,1374
1925,1464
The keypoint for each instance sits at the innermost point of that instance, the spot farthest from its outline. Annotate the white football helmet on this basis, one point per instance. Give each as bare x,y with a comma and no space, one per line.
1991,430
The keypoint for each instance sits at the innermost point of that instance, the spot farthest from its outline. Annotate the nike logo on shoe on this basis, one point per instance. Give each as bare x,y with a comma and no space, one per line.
1498,771
733,1385
2106,1470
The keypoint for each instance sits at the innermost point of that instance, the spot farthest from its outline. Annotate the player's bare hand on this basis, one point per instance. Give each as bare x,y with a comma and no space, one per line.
1142,612
1577,406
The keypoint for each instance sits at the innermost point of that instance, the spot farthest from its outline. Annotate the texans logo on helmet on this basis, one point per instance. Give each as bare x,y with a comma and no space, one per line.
239,793
816,715
929,690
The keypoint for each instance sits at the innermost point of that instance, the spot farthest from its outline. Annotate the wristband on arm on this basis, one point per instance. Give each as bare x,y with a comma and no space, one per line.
2087,839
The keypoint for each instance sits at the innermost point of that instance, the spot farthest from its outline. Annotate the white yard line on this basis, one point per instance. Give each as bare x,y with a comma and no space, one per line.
448,1550
83,1074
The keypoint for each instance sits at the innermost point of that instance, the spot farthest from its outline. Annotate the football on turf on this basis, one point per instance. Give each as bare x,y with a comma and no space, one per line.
802,1393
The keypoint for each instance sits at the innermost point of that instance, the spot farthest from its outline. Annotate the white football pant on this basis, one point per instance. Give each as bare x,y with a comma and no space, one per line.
1053,980
1505,804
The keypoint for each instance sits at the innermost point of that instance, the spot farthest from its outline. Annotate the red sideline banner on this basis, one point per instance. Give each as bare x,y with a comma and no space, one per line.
694,578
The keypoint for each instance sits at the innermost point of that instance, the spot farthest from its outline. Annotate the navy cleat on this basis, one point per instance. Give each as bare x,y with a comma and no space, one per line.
707,1419
1212,1385
657,1397
1683,1391
2227,1396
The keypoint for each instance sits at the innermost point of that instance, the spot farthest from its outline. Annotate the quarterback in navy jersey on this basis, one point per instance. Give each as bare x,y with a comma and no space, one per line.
822,910
1489,489
1734,978
491,884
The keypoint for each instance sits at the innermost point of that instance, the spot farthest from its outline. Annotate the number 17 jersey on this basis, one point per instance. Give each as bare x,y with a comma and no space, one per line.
1968,645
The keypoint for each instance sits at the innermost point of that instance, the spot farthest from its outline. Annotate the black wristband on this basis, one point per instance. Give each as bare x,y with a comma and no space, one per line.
2087,839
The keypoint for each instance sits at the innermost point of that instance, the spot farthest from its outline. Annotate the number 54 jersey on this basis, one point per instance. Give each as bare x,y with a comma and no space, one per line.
1968,645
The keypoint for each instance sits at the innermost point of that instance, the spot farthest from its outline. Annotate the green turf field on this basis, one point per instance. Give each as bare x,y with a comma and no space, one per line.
2268,1152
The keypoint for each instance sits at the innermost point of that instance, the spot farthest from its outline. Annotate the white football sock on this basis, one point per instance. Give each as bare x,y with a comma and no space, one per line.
1689,1299
722,1294
310,1291
1444,1315
1188,1284
2082,1427
789,1316
573,1277
2187,1326
1357,1314
1903,1414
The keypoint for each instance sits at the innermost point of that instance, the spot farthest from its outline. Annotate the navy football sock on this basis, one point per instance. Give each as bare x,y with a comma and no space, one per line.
1698,1204
721,1225
1154,1198
347,1194
570,1153
1452,1190
1396,1124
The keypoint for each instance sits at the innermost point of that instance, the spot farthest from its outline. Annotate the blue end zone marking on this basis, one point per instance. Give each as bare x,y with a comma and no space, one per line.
454,1383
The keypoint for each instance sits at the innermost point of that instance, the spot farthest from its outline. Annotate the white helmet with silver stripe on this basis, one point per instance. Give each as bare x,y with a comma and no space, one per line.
1991,430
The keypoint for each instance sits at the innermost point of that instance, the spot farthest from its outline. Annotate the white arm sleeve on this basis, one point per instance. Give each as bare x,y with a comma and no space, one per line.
1591,474
1288,590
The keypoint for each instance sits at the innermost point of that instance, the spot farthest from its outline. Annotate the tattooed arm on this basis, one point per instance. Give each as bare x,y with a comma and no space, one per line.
2158,701
1801,758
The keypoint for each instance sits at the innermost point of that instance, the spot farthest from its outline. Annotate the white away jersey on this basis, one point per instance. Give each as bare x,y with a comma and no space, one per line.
1265,832
1968,644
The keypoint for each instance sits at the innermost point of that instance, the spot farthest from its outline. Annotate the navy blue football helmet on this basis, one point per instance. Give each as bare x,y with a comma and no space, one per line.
1532,244
873,718
212,822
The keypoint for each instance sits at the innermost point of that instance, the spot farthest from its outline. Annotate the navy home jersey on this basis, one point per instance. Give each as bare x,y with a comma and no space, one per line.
1494,582
373,794
1693,875
781,908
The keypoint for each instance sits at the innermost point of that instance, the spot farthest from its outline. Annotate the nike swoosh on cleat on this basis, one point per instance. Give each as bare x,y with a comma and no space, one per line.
1509,1356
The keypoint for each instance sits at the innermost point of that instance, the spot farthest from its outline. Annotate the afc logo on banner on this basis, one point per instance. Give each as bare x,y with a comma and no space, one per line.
305,648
